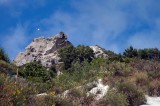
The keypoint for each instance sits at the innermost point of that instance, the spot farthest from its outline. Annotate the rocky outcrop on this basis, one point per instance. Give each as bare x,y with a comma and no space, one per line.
98,51
43,50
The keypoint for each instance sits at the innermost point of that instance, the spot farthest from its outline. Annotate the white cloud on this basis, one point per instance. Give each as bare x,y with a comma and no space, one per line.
15,40
91,18
103,22
147,39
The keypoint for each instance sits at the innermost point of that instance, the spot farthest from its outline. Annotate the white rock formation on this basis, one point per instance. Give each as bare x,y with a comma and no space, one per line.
43,50
99,52
99,91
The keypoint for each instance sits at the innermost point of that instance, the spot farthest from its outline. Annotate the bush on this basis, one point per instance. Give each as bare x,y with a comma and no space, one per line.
78,74
115,98
4,56
78,97
36,72
7,91
13,93
7,68
149,53
84,53
134,96
119,69
141,79
67,55
70,54
154,88
48,101
154,74
118,57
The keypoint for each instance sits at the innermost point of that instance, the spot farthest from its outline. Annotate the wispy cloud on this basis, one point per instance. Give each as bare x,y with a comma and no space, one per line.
113,24
147,38
105,22
15,40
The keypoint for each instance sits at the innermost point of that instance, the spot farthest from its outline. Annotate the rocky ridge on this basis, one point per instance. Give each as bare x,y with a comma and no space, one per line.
43,50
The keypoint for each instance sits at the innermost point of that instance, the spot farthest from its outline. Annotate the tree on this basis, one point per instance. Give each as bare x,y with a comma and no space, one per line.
130,52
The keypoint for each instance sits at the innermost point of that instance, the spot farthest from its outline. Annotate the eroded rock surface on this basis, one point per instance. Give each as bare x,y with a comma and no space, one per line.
43,50
98,51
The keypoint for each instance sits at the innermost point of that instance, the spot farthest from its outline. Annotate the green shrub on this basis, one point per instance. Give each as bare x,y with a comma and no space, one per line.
2,79
117,57
48,101
115,98
67,55
78,74
78,97
149,53
84,53
134,96
141,79
119,69
36,72
7,68
4,56
71,54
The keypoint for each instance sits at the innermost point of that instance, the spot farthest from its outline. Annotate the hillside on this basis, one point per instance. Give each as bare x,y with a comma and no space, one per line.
53,72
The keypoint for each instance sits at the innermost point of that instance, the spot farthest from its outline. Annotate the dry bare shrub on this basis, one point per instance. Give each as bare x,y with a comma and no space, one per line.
154,88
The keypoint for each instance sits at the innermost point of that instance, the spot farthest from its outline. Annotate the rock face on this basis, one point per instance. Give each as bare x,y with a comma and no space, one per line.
43,50
98,51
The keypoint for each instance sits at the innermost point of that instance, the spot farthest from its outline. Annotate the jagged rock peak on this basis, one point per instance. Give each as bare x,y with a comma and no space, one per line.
43,50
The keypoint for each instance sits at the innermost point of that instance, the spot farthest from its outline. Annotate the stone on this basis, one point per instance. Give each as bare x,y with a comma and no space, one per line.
43,50
98,51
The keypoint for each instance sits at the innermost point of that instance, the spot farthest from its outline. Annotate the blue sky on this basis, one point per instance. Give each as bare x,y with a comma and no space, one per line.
112,24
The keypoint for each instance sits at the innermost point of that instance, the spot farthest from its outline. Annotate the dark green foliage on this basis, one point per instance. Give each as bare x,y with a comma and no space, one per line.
67,55
97,62
84,53
7,68
134,96
78,74
117,57
36,72
109,53
118,69
150,53
4,56
147,53
70,54
130,52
